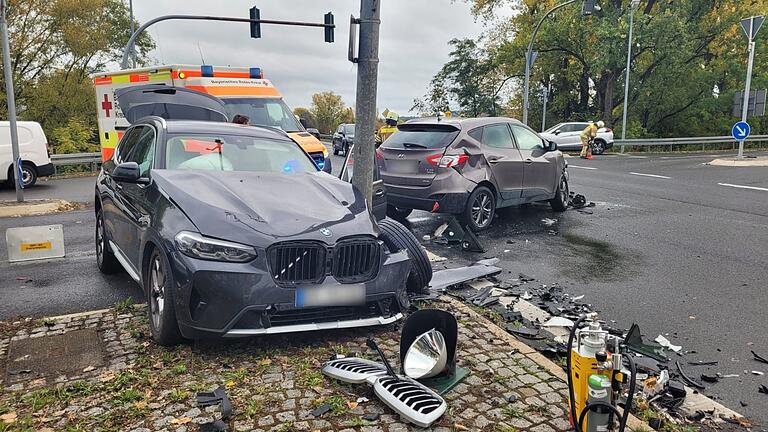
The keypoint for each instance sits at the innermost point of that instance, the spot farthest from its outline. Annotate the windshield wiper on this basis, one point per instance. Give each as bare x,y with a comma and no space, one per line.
414,145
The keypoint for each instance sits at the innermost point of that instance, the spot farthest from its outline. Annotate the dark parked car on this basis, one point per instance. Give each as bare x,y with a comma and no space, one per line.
234,231
343,138
470,167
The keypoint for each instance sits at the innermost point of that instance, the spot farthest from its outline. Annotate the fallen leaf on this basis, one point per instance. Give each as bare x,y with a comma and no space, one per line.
230,384
46,429
107,376
265,362
8,418
181,420
140,405
459,426
352,404
59,413
89,368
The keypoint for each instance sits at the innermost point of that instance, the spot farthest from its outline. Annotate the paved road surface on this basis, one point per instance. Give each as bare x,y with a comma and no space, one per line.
669,245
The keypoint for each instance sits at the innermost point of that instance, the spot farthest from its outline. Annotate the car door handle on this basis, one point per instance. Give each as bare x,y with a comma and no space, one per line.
528,161
494,160
379,193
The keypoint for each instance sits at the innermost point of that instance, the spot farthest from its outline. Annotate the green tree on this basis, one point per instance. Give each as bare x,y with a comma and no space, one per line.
329,111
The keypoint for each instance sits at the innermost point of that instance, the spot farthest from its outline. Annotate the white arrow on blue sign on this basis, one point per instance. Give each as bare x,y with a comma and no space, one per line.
741,130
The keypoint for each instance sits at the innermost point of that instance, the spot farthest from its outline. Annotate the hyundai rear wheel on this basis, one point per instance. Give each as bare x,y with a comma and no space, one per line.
480,209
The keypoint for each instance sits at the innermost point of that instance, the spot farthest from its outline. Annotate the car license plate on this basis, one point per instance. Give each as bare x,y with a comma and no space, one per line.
403,166
334,295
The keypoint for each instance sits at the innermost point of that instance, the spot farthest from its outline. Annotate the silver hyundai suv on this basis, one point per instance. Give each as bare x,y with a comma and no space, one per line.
470,167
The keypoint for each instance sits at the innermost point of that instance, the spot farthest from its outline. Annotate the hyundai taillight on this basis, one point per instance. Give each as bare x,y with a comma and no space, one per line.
446,161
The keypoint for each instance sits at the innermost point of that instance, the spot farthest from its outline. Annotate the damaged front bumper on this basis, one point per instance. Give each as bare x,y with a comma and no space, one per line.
216,299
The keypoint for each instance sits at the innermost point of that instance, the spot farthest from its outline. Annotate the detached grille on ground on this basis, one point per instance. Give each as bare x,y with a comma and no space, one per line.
356,260
297,262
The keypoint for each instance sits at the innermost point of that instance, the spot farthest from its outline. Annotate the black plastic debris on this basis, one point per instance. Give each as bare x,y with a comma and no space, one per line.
528,333
525,278
688,380
703,363
697,416
655,423
762,389
635,343
676,389
512,398
320,410
579,201
743,404
444,278
371,417
710,378
471,243
759,358
216,397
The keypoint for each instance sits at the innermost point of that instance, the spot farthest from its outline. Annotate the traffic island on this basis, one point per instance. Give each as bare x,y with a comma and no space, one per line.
106,373
36,207
760,161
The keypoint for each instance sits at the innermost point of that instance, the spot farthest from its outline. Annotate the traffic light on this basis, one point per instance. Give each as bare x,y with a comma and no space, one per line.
255,26
589,7
328,29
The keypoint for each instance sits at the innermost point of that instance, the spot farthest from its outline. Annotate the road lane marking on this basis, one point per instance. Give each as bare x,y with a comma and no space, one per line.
582,167
744,187
650,175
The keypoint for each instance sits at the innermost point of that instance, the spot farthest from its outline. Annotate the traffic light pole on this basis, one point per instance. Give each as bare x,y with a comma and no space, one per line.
365,101
7,68
529,57
132,41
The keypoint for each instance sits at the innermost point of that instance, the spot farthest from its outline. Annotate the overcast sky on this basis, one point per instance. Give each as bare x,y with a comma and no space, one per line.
413,44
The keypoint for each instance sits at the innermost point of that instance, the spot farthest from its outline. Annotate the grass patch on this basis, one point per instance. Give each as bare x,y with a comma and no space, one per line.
504,428
178,395
513,412
128,396
180,369
337,403
124,305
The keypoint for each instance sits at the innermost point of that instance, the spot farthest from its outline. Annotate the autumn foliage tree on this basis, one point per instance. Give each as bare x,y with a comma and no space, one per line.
328,111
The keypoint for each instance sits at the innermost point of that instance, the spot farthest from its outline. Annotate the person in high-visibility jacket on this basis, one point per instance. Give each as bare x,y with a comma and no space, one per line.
587,135
390,119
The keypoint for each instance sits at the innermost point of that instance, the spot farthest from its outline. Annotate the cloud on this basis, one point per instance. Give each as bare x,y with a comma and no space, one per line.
412,48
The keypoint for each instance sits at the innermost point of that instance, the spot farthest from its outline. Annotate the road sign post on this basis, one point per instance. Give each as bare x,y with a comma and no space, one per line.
750,25
11,102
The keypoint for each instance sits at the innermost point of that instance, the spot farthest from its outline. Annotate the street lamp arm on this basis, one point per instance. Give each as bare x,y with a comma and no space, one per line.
529,54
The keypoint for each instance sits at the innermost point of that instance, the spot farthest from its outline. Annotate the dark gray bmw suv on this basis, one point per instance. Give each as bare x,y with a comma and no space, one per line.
470,167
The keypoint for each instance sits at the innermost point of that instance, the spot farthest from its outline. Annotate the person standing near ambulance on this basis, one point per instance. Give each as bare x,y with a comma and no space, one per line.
587,135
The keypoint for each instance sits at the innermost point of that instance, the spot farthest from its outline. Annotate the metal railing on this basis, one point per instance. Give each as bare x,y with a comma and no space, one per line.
92,159
690,141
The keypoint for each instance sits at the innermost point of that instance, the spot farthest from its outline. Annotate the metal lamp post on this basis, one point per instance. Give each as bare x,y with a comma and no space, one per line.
632,7
11,101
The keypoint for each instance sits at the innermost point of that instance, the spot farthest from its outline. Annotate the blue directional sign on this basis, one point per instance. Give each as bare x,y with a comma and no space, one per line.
741,130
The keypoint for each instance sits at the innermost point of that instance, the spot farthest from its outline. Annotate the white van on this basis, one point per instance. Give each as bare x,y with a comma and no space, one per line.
33,150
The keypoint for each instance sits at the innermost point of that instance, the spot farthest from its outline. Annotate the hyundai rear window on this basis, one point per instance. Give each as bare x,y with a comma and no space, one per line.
426,138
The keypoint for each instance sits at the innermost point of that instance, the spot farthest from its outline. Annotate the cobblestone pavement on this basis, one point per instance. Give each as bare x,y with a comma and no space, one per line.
273,382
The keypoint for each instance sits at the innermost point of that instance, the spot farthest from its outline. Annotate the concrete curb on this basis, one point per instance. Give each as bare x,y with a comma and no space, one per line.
749,162
633,423
34,208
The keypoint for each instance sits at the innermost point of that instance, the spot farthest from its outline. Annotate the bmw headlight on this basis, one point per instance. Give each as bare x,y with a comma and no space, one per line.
198,246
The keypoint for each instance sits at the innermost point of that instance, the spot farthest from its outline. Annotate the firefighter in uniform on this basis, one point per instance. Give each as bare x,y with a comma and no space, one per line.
390,126
587,135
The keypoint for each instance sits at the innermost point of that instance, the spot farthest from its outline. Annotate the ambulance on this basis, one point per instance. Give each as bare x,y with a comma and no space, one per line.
243,90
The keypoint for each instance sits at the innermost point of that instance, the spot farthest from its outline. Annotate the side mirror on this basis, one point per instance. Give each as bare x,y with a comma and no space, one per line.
127,172
304,122
552,146
314,132
557,132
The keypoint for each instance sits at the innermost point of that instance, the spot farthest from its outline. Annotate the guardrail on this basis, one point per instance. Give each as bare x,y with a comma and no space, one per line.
703,141
92,159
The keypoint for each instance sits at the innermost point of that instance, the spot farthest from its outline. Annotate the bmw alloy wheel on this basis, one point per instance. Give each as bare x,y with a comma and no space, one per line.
157,296
99,240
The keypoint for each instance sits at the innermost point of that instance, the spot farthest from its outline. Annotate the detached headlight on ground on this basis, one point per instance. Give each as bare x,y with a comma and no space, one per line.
198,246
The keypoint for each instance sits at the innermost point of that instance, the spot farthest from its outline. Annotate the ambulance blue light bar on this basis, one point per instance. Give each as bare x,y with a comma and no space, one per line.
206,71
255,73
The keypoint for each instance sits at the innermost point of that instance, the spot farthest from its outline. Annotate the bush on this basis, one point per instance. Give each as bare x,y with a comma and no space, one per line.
74,137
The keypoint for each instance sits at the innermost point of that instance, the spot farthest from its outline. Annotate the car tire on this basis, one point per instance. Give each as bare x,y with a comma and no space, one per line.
397,213
105,258
335,150
598,147
480,209
28,174
346,148
397,237
560,201
158,285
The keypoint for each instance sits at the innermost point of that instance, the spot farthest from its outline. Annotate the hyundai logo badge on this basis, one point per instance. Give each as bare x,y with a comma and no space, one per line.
401,156
325,231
